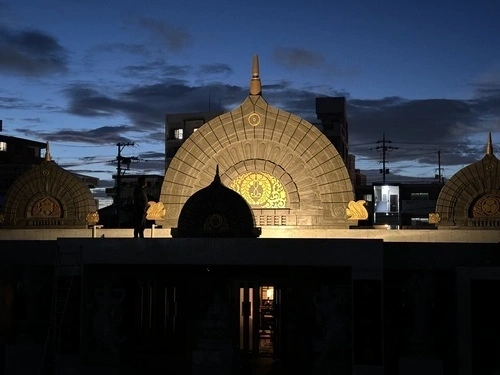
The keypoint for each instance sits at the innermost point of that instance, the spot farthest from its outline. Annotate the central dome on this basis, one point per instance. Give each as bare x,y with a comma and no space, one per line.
216,211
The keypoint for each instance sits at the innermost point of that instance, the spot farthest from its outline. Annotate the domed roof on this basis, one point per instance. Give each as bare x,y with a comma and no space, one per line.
48,196
471,197
279,151
216,211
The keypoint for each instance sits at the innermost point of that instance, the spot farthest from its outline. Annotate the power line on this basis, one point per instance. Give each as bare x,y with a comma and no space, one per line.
384,149
126,161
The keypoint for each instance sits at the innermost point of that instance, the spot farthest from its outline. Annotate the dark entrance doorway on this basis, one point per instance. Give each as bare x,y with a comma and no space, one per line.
258,319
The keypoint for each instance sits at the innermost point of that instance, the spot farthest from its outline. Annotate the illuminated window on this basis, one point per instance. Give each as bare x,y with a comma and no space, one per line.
3,146
260,189
178,133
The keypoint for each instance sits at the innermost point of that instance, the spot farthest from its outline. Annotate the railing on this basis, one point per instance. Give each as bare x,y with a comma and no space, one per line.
484,222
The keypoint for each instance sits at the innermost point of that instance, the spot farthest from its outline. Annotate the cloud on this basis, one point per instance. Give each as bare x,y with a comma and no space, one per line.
155,70
146,105
10,102
103,135
297,58
175,38
113,48
31,53
215,69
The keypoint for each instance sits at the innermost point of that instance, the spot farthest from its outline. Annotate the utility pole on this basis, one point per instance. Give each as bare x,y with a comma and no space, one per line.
119,159
439,176
384,149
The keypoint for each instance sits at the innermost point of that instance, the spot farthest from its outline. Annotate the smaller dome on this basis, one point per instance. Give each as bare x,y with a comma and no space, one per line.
216,211
471,197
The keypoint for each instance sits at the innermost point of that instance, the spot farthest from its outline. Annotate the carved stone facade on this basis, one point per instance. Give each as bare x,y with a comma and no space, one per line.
48,196
471,198
264,150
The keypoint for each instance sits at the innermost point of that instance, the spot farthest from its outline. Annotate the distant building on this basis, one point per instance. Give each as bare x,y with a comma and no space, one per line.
178,128
331,111
17,155
398,205
357,178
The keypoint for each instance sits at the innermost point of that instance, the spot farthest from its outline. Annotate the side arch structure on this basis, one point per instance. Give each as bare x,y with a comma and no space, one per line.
256,137
471,197
48,196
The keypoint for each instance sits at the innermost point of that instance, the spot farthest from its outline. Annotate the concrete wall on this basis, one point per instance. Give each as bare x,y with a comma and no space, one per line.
413,235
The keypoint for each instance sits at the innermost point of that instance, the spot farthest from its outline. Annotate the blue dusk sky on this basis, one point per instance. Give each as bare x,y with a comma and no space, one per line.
85,75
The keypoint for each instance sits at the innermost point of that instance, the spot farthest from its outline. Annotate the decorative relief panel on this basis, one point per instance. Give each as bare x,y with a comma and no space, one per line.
156,211
260,190
356,210
46,207
487,205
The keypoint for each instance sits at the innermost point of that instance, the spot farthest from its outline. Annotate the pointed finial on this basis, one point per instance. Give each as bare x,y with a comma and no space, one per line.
47,152
217,177
489,146
255,85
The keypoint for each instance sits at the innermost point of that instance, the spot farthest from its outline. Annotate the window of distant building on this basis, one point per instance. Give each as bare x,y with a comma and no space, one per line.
3,146
419,196
178,133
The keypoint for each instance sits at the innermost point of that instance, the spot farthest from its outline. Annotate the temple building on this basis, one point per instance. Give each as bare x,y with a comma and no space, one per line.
255,265
286,168
48,196
471,197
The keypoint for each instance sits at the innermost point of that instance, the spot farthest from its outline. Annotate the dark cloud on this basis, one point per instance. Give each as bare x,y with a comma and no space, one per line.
417,129
155,70
113,48
175,38
31,53
152,155
103,135
212,69
297,58
146,105
10,102
420,131
87,101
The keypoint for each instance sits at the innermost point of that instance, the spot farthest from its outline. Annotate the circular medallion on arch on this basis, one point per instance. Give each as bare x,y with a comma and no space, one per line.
253,119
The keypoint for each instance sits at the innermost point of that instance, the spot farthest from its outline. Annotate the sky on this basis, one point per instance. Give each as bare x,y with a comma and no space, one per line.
86,75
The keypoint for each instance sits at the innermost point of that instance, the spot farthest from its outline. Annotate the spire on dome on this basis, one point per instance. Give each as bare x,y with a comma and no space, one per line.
489,145
47,152
255,84
217,177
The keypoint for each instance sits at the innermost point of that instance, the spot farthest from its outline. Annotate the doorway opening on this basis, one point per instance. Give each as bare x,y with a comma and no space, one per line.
267,321
259,320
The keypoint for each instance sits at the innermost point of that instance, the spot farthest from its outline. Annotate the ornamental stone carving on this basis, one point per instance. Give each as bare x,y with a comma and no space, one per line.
156,211
356,210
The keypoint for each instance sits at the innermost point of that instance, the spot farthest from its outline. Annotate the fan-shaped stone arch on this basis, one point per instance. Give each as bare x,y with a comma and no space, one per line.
462,192
48,196
259,137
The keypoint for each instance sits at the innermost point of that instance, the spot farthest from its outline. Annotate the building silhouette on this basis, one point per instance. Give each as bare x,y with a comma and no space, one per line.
257,269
